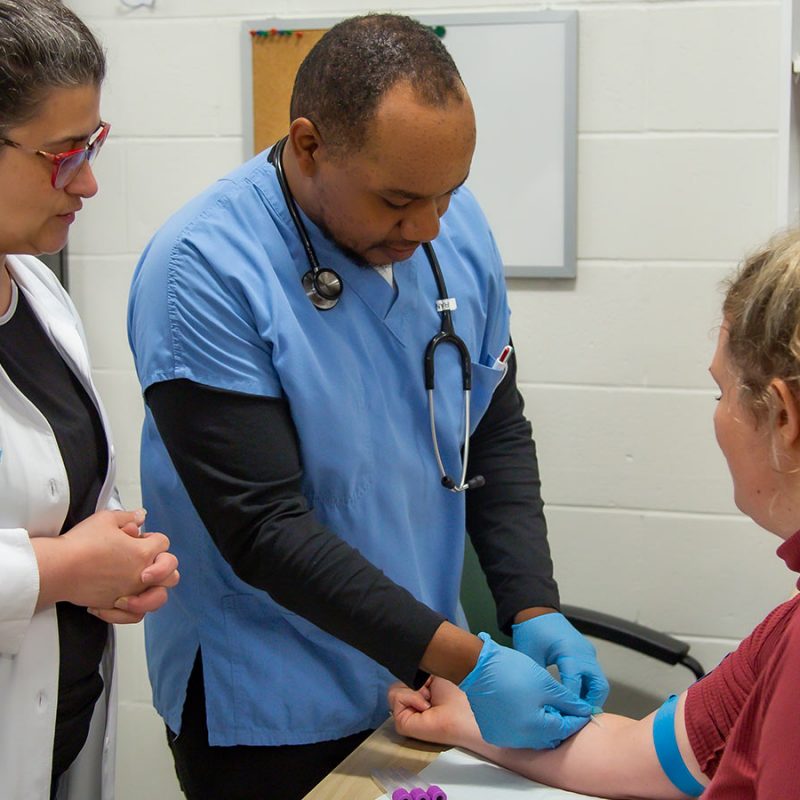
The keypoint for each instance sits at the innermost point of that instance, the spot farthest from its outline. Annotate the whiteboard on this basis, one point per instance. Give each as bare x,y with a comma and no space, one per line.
520,69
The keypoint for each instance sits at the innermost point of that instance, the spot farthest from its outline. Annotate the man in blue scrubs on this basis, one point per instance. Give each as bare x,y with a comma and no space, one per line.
287,450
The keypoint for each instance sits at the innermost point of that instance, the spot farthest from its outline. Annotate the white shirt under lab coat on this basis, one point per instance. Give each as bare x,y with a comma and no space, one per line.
34,499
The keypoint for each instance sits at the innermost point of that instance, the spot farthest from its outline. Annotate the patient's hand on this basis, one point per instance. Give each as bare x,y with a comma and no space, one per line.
439,712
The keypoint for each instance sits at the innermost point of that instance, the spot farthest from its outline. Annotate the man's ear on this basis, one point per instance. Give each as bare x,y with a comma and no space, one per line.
304,139
786,425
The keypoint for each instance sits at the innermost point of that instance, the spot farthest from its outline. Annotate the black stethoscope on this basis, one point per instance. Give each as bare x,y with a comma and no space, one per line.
324,287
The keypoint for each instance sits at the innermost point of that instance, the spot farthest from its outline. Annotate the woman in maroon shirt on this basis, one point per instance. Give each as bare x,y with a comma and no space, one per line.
738,729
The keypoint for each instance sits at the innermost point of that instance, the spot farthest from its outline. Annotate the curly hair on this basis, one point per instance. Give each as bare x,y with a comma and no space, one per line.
762,315
346,74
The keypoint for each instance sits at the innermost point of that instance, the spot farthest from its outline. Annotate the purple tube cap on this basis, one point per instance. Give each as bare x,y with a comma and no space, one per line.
419,794
400,794
436,792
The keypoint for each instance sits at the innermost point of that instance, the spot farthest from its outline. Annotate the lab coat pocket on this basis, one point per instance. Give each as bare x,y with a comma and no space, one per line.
484,382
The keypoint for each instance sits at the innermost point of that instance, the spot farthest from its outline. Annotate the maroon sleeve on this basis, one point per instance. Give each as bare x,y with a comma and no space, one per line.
714,703
778,759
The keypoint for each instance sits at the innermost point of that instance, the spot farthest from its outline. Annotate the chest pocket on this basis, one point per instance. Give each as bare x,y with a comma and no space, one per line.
484,382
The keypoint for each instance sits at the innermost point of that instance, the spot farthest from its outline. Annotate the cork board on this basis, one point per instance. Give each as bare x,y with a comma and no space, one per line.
276,58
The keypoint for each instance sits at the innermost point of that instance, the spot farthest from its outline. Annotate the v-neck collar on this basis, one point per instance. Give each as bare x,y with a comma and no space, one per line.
394,305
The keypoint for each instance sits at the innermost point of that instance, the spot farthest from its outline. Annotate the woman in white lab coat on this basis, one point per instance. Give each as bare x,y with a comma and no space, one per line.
71,560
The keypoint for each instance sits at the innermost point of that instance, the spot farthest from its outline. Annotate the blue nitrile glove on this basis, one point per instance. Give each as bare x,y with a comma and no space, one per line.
551,639
517,703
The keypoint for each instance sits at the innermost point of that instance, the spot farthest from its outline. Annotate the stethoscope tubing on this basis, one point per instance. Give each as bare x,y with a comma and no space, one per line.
446,335
461,486
277,162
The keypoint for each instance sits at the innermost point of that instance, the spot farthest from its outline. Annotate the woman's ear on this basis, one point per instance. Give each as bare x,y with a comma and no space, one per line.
786,424
304,139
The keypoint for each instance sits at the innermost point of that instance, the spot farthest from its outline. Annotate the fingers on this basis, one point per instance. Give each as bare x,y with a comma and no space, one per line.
129,522
401,696
598,690
565,701
155,542
414,700
394,690
132,529
570,726
122,518
583,680
149,600
116,616
156,569
553,727
572,683
162,572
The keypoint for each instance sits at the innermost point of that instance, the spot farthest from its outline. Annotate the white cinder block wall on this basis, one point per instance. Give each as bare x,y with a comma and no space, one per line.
678,158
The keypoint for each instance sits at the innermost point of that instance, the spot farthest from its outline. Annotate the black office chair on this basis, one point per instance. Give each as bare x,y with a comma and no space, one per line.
476,599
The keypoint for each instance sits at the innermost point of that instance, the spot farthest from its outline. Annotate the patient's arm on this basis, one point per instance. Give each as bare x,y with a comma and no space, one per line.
614,757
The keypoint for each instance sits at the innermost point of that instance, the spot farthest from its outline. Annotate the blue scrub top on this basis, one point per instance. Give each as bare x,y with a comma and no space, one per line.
217,299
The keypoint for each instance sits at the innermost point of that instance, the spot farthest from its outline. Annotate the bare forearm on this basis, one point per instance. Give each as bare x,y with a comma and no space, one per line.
614,758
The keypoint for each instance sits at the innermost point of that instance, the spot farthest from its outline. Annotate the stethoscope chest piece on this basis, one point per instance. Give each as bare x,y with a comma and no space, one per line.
323,287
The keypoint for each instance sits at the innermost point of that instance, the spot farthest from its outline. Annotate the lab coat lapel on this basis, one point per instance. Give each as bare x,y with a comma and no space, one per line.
59,324
65,335
64,329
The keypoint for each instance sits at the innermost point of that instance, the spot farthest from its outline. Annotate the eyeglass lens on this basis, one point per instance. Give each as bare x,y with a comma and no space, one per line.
69,167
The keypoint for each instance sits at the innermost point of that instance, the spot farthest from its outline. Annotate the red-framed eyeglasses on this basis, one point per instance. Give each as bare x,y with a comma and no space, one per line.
66,165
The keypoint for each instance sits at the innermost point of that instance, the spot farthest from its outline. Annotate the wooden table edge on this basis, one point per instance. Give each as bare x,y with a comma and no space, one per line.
351,780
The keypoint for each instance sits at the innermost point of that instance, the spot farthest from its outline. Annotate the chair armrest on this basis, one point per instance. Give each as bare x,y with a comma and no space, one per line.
637,637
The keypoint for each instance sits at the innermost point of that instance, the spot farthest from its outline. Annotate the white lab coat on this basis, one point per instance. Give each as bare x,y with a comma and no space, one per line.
34,498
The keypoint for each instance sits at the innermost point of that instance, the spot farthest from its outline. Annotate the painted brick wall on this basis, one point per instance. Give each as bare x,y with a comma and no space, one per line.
678,157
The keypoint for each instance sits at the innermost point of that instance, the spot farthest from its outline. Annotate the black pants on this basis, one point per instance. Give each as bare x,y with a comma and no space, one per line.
243,772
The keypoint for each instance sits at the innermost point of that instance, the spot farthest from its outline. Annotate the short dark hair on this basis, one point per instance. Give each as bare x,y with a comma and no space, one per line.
346,74
43,45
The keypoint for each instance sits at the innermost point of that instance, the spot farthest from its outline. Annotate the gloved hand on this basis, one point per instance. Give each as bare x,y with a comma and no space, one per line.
551,639
517,703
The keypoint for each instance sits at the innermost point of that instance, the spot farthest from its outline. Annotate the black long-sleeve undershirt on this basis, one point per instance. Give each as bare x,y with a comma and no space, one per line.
238,458
505,519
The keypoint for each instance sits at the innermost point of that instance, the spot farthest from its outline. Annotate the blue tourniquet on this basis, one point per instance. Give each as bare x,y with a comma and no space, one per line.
669,756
